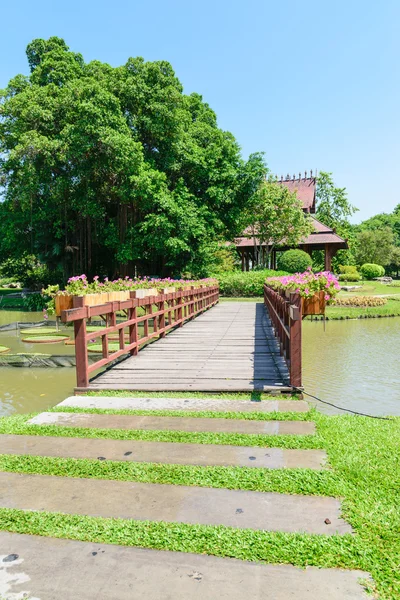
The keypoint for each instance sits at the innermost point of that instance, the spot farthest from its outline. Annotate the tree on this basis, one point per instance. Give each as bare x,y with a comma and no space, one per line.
275,218
109,170
394,264
334,209
375,246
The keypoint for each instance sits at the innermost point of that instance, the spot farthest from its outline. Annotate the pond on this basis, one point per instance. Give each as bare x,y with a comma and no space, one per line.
354,364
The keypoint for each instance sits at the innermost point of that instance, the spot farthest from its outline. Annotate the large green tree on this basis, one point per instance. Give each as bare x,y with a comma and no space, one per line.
114,169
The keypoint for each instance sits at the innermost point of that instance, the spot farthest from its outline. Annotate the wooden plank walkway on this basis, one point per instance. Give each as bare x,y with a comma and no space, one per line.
230,348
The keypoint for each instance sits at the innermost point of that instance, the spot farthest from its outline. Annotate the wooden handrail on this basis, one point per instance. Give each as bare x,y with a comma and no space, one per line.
173,310
286,318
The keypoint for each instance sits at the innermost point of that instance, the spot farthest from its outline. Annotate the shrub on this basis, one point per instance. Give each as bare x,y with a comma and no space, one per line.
361,301
352,276
347,269
370,271
28,270
248,284
295,261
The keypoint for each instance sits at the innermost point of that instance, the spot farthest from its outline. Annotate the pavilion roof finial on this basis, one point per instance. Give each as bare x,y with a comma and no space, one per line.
305,174
311,173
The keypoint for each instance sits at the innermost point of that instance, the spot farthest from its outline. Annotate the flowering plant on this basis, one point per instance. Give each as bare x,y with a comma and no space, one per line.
307,284
79,285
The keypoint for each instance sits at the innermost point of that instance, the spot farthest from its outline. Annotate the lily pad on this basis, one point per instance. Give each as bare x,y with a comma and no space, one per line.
4,349
112,347
45,339
43,331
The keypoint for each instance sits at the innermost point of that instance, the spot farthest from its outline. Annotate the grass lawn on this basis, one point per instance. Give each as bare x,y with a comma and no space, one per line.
390,309
371,288
364,471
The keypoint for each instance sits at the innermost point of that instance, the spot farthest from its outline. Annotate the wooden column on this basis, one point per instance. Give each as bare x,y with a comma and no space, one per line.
81,357
242,256
328,257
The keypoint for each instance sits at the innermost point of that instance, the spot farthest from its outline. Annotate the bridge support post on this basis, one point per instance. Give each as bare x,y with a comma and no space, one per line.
295,340
82,362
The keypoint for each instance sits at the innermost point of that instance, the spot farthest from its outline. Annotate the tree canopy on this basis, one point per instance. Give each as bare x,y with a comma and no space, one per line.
107,169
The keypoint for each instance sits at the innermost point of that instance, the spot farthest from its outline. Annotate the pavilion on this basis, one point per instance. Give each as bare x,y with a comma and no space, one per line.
323,237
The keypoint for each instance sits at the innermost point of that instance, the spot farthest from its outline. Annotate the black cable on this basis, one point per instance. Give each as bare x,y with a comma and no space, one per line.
354,412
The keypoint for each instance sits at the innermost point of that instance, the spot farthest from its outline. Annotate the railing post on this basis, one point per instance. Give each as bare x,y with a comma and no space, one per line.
81,356
133,329
295,340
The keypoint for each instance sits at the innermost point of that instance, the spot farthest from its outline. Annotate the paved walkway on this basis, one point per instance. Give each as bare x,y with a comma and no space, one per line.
229,348
45,568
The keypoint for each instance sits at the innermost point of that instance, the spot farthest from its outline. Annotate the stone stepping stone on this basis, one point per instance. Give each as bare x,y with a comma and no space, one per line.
33,567
163,452
189,404
173,503
155,423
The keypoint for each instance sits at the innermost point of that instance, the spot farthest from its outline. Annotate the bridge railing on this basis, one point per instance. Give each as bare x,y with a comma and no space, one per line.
286,317
158,314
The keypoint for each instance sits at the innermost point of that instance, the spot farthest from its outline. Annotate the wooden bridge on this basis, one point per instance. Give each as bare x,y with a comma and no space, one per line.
210,347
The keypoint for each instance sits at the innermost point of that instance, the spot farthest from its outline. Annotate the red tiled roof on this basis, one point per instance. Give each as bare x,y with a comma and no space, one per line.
305,190
321,235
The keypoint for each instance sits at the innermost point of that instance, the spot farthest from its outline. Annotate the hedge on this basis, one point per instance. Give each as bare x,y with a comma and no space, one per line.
247,284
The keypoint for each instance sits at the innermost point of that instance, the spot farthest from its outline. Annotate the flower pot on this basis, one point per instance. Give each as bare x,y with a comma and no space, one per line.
95,299
144,293
314,305
63,302
118,296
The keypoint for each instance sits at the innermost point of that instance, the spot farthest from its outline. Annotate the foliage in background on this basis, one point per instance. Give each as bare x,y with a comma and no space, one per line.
28,270
110,169
370,271
334,210
248,284
374,246
294,261
274,217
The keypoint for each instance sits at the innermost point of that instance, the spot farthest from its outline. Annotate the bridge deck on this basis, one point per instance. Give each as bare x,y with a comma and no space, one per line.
230,348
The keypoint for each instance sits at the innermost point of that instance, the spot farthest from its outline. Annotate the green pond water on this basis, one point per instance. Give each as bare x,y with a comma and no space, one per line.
354,364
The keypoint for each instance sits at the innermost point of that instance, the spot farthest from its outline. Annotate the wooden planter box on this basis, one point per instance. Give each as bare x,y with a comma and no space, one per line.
118,296
142,293
63,302
314,305
95,299
167,290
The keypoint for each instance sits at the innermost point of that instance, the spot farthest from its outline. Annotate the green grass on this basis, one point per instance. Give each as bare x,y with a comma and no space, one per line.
390,309
370,288
285,481
206,414
202,395
17,424
363,454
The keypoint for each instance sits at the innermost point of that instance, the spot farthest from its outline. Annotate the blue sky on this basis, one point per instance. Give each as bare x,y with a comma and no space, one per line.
315,85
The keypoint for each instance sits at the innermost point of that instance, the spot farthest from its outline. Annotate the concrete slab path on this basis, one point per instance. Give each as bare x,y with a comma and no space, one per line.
156,423
173,503
162,452
187,404
53,569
